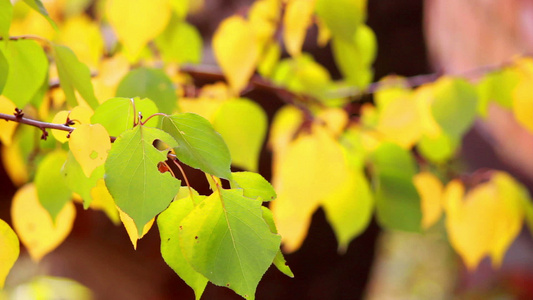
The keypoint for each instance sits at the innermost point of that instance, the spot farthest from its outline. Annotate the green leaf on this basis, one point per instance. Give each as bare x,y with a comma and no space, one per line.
349,209
180,7
355,57
279,260
150,83
454,106
6,15
4,71
38,6
498,87
254,185
74,75
342,17
227,240
9,252
171,41
243,124
168,223
397,200
28,67
78,182
438,149
117,114
200,146
52,189
132,176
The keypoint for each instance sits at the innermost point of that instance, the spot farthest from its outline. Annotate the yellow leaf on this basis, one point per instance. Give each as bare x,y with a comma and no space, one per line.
522,96
110,72
102,200
236,51
89,145
34,225
7,128
264,16
312,167
9,251
79,115
14,163
423,97
430,190
297,18
335,120
83,36
205,107
324,34
132,229
137,22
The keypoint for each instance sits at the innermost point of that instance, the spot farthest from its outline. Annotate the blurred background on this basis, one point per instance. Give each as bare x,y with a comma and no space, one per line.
414,37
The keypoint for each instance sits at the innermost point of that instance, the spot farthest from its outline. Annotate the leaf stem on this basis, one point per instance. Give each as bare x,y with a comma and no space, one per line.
175,161
156,114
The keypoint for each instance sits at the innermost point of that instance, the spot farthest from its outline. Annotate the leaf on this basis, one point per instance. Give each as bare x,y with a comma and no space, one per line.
397,201
236,51
38,6
83,36
79,114
349,208
312,160
6,15
454,105
199,145
430,189
438,149
242,124
89,144
132,177
496,87
226,239
4,71
9,252
168,223
354,57
254,186
78,182
131,228
50,184
28,67
34,226
279,260
73,76
137,24
149,83
342,16
117,114
6,128
286,122
171,41
296,20
101,199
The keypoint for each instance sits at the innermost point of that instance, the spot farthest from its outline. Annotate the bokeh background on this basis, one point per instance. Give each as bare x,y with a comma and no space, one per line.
414,37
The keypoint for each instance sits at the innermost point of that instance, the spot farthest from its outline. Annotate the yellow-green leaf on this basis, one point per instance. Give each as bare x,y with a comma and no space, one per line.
9,252
90,144
297,18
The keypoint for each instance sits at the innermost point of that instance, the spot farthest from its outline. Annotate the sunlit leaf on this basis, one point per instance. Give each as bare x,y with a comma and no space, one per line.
235,48
226,239
50,184
243,124
6,15
496,87
89,144
279,260
73,76
38,6
78,182
335,119
168,223
132,176
454,105
296,20
438,149
4,71
79,115
312,160
28,67
101,199
342,16
349,208
6,128
110,72
137,23
399,121
83,36
269,58
149,83
284,126
9,252
118,114
171,43
430,189
131,227
199,145
254,186
397,201
34,225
